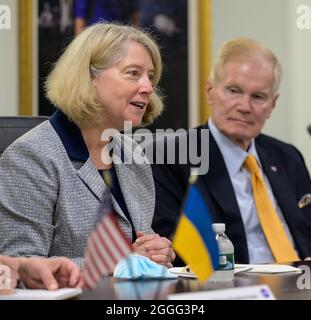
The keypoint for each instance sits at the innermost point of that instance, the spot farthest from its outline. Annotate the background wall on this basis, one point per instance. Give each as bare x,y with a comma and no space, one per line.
299,81
273,22
9,64
270,21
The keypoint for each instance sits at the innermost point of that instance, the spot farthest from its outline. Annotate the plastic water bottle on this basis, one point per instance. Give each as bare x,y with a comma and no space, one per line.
225,270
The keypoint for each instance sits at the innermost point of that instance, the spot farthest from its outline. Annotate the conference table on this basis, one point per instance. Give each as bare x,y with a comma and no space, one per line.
283,286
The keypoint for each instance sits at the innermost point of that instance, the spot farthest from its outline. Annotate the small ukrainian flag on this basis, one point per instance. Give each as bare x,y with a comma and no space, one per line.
194,239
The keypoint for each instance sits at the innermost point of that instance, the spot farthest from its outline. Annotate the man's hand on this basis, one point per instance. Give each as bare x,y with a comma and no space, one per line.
155,248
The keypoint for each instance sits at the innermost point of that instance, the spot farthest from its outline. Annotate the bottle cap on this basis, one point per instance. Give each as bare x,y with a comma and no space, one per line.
219,227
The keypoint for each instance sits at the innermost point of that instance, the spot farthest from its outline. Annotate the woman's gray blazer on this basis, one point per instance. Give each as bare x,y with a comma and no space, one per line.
49,204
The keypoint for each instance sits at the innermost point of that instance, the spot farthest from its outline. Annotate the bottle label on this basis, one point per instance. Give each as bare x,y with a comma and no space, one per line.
226,261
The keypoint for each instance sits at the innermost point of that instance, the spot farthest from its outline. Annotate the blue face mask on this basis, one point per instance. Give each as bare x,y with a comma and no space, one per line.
135,266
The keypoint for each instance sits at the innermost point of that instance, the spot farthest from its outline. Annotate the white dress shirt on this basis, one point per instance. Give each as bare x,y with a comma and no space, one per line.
234,156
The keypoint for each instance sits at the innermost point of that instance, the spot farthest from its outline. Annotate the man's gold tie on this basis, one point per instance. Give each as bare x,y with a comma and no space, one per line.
280,245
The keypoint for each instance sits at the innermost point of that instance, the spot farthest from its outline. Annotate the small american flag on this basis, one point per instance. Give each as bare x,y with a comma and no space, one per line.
106,246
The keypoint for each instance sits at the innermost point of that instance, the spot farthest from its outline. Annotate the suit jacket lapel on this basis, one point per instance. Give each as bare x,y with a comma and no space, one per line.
278,180
133,179
131,196
90,176
219,185
284,193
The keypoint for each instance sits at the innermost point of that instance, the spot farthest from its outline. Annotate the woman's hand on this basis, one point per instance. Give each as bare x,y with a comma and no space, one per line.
158,249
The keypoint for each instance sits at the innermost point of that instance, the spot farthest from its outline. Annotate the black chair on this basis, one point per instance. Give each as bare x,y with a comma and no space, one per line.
12,128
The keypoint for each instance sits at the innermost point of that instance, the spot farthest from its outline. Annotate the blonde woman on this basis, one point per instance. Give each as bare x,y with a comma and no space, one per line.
51,178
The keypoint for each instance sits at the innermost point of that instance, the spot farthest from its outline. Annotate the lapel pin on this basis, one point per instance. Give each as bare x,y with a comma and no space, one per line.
274,168
304,201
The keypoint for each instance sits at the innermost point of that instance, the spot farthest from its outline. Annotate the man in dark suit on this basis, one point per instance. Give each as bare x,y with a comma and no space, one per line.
242,92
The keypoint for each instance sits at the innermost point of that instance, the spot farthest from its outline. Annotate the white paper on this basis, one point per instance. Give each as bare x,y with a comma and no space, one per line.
180,271
268,268
261,292
32,294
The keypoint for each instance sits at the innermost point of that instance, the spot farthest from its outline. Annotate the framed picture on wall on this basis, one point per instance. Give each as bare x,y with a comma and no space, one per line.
166,20
55,31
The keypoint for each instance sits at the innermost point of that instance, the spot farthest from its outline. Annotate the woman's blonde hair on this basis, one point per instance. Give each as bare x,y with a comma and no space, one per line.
243,47
69,85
